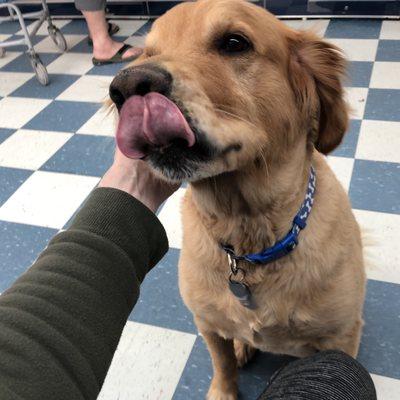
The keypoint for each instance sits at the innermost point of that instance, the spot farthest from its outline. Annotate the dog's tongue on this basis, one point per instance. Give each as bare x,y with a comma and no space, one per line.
148,122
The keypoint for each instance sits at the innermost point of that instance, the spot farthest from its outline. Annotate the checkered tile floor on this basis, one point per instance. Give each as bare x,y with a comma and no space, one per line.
55,143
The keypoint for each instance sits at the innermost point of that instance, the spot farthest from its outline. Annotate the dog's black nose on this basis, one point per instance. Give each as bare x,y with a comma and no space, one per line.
139,81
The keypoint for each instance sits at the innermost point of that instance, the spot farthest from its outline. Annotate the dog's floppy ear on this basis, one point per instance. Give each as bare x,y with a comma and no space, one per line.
316,71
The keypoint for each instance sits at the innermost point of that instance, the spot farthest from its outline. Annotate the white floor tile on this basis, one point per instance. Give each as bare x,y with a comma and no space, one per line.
9,56
386,388
385,75
318,26
357,49
71,63
10,81
43,29
357,98
4,37
381,240
91,88
15,112
47,199
390,30
379,141
148,363
29,149
48,46
343,169
102,123
170,217
128,27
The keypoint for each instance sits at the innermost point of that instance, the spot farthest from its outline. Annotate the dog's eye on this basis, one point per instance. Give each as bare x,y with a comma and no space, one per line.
234,43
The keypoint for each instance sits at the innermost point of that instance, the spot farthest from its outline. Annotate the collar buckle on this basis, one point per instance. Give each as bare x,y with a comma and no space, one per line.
288,244
279,250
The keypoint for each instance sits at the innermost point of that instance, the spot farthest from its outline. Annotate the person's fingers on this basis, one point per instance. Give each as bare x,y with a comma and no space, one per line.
122,160
137,178
140,167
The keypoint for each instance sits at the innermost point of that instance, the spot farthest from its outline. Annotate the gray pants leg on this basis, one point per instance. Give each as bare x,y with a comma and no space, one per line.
90,5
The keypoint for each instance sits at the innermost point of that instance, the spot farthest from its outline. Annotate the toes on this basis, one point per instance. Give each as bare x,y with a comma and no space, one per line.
244,353
217,394
135,51
222,390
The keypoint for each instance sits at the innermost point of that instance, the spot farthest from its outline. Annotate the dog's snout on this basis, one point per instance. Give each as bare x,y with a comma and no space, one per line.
139,81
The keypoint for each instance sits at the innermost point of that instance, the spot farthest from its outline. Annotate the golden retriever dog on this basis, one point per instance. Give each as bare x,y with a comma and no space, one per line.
231,100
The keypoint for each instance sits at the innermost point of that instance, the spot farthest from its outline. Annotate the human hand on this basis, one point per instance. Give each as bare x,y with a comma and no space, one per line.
136,178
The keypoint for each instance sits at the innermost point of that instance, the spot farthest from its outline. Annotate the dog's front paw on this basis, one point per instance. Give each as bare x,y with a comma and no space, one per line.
243,352
218,392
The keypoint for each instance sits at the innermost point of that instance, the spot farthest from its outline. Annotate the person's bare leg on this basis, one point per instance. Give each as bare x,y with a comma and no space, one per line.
104,47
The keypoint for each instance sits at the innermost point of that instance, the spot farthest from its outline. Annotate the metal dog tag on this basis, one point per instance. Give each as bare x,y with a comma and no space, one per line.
242,292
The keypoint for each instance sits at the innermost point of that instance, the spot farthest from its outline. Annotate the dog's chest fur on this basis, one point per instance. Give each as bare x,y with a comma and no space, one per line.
276,324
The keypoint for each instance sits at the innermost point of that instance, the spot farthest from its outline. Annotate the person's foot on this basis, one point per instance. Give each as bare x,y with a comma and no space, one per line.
108,49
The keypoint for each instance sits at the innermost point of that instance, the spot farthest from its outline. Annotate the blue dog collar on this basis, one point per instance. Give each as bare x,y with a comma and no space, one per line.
290,241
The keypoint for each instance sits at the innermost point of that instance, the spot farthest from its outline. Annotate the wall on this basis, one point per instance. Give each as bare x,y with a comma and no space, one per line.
278,7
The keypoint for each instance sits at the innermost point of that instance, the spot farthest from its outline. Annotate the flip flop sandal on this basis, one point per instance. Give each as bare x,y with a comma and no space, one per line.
112,30
117,57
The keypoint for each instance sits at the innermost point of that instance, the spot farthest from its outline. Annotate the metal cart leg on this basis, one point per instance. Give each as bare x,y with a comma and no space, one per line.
55,34
12,14
37,65
14,9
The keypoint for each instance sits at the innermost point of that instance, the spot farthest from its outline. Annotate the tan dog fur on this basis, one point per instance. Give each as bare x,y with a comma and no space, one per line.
282,102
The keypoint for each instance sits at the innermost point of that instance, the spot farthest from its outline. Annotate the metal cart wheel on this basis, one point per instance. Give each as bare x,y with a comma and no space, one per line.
2,52
40,70
57,37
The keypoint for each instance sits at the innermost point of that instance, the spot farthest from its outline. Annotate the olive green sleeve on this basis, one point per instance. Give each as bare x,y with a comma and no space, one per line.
61,321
